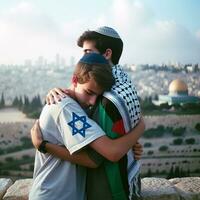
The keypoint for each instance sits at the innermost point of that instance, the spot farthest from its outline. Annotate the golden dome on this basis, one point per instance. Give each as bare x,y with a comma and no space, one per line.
178,86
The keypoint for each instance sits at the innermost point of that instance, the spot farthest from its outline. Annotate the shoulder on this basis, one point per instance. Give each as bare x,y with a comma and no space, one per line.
121,77
124,95
123,84
54,110
67,101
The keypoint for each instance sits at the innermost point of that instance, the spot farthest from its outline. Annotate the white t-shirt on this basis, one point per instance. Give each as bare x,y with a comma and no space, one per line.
66,124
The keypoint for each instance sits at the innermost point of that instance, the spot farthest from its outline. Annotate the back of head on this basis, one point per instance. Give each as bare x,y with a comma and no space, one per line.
94,65
104,38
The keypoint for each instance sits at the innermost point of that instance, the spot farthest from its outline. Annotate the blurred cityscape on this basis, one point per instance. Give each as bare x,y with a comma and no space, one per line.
172,138
37,77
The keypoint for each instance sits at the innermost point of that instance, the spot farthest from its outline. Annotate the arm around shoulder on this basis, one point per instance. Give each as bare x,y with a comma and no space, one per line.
115,149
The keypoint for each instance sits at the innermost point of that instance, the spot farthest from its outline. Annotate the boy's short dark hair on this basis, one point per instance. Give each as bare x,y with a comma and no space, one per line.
103,42
101,73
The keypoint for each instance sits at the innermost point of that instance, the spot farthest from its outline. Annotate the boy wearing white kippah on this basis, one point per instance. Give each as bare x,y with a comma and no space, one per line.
117,112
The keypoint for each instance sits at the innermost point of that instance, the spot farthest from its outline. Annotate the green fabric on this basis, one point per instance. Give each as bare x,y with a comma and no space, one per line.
112,169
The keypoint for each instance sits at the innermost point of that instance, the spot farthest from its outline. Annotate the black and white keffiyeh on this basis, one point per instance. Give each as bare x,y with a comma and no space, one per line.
124,96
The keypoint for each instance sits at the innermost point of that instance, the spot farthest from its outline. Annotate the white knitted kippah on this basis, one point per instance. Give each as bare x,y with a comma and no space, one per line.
108,31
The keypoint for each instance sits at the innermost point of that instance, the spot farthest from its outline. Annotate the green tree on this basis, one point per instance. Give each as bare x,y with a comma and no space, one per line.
164,106
9,159
179,131
20,104
163,148
190,141
177,172
178,141
15,102
2,102
197,127
36,102
25,157
149,173
150,152
171,173
147,144
26,105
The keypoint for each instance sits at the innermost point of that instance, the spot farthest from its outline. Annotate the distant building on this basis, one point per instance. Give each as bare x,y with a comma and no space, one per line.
40,61
28,63
57,61
178,94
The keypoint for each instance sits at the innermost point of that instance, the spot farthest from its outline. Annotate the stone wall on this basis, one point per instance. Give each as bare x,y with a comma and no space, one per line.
11,133
152,189
175,121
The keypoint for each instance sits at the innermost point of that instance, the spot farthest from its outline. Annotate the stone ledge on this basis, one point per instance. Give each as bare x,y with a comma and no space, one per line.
187,188
158,189
4,185
152,189
19,190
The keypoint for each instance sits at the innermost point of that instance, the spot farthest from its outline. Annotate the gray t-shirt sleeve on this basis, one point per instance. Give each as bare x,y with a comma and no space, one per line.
77,129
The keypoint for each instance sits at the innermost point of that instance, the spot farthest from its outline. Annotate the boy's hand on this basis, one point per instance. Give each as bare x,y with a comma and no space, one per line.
138,150
55,95
36,135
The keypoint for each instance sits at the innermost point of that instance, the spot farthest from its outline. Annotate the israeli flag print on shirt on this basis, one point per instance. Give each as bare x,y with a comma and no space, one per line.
79,124
76,128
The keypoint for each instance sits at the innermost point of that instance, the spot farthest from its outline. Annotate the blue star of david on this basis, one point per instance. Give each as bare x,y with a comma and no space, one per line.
77,121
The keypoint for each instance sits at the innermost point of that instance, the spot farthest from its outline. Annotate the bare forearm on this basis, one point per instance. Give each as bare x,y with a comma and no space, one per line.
80,158
114,150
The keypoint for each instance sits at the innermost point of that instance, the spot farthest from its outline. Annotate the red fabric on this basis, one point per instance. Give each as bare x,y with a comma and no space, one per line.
118,127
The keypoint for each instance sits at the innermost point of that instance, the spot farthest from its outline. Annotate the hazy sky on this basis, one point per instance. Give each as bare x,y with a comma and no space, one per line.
153,31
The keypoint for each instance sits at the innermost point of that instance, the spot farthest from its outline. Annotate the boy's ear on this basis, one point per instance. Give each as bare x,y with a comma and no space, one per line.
74,80
108,54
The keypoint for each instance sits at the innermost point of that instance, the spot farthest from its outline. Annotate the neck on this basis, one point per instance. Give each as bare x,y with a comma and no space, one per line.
71,92
110,63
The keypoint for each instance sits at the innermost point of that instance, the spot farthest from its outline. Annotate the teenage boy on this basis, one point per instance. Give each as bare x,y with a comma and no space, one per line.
117,113
67,124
